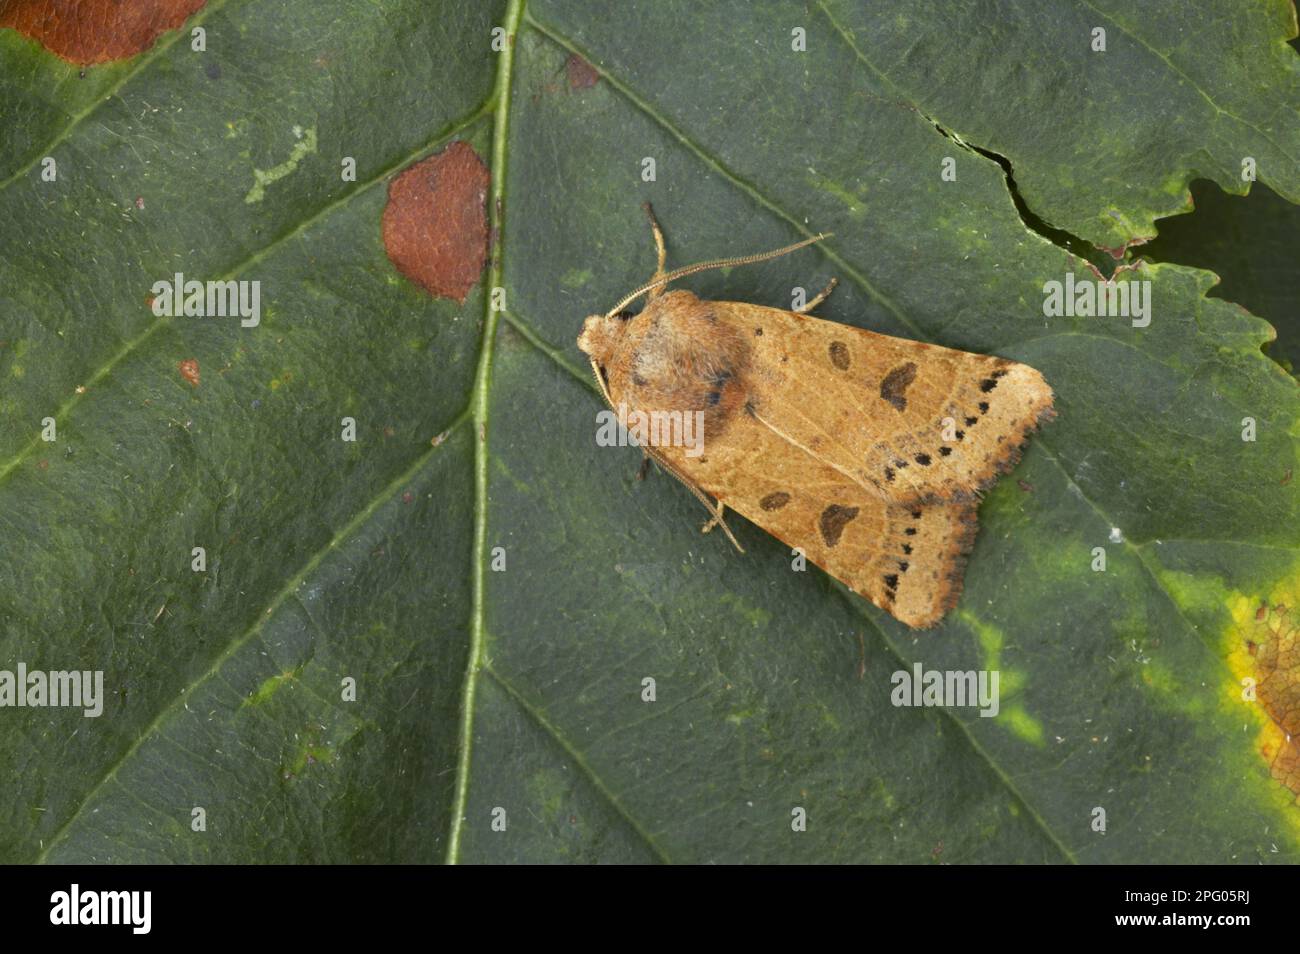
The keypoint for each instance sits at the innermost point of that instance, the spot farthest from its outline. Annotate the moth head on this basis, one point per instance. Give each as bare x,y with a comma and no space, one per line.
600,336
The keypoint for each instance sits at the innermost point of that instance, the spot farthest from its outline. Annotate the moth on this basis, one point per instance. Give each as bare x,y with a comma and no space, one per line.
865,452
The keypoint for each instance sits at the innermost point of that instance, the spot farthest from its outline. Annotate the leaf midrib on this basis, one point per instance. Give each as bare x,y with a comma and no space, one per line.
480,405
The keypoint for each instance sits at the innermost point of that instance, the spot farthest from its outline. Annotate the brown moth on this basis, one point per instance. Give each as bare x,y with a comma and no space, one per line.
866,452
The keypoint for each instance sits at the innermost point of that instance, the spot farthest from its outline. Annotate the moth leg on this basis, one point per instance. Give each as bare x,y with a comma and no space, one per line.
821,297
715,509
645,466
660,251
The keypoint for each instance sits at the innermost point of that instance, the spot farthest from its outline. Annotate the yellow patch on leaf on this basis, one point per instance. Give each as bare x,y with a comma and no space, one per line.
1265,658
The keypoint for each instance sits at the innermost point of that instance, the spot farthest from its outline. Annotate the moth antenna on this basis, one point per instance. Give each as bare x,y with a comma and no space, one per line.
600,380
706,266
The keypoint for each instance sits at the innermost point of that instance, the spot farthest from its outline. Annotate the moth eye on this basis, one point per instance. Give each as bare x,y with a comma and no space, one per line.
624,316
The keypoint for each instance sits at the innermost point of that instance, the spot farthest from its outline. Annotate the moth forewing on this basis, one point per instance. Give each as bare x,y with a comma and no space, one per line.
917,422
906,559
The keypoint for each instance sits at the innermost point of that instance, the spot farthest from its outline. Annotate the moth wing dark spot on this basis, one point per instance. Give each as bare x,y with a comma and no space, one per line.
894,385
833,521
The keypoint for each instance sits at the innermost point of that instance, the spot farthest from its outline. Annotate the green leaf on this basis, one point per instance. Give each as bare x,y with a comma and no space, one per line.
1103,141
518,693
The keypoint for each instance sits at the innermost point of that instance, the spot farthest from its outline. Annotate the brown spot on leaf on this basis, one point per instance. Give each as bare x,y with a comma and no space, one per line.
582,75
833,521
435,223
189,369
840,355
95,31
895,383
1275,650
775,500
